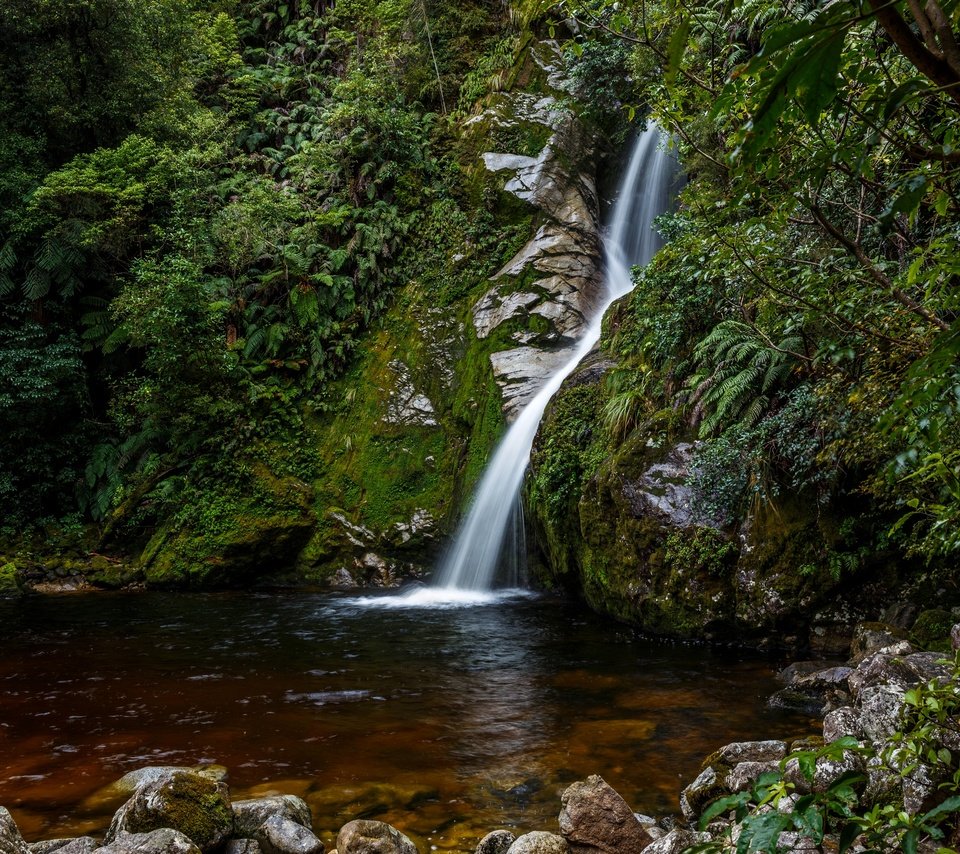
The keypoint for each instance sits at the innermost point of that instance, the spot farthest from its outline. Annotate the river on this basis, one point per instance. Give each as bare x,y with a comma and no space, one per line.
446,722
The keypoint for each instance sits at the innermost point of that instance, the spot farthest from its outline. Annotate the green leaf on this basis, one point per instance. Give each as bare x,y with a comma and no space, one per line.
678,42
948,806
909,841
848,836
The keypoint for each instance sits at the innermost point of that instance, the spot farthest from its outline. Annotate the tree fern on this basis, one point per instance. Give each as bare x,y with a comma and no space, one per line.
741,372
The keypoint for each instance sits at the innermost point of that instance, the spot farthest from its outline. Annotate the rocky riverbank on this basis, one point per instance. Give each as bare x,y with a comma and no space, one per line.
884,776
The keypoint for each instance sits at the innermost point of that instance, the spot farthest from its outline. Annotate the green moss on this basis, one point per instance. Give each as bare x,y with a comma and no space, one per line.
10,584
932,629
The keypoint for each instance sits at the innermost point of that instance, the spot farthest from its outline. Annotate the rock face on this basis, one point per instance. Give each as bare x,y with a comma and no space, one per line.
372,837
188,802
594,818
546,292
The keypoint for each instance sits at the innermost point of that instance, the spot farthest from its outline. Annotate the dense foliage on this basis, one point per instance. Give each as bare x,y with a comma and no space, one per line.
804,314
204,204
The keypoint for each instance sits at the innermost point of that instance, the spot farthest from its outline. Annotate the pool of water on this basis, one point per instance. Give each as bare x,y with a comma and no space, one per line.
446,721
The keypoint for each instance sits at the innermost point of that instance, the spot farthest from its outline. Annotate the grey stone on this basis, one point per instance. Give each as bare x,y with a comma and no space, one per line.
496,842
282,835
539,842
745,774
676,842
242,846
699,793
842,722
869,638
955,637
250,814
405,404
752,751
826,772
594,818
75,845
163,840
372,837
11,842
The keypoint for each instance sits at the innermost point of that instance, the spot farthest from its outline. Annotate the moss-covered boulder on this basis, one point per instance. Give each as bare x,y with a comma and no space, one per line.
232,536
10,583
185,801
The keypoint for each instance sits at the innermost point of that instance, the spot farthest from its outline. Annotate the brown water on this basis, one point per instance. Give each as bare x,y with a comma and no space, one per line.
444,722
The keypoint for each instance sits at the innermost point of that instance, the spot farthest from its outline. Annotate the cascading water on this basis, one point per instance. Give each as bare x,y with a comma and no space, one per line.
491,534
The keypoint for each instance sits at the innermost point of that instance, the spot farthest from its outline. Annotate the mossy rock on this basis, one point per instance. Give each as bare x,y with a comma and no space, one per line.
235,538
111,575
10,583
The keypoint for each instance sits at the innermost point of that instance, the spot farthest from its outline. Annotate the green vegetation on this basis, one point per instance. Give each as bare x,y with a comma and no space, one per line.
802,320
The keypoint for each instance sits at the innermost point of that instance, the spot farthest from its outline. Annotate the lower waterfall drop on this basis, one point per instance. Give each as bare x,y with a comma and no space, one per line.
491,534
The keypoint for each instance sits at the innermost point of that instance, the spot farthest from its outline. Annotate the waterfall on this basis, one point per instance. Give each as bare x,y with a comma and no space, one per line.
491,534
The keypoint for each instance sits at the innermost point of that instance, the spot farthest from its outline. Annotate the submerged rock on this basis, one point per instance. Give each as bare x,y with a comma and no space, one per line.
594,818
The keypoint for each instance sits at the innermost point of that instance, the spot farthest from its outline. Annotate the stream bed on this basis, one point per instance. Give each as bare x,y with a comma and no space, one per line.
444,721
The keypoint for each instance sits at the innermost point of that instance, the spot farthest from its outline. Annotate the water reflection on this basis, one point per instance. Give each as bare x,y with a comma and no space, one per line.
444,721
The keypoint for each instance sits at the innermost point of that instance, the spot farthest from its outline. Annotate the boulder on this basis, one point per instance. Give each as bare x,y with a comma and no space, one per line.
826,772
842,722
78,845
497,842
593,817
745,774
869,638
676,842
700,792
539,842
242,846
11,842
248,815
282,835
187,801
750,751
372,837
955,637
814,692
164,840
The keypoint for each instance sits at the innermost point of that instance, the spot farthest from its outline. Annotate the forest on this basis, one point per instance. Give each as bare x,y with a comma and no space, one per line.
276,277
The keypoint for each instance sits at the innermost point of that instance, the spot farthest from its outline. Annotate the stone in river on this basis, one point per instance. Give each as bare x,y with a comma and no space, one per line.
11,842
187,801
539,842
372,837
594,818
497,842
250,814
282,835
77,845
242,846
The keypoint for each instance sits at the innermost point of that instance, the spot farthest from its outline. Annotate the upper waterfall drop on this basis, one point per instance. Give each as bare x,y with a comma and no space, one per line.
491,533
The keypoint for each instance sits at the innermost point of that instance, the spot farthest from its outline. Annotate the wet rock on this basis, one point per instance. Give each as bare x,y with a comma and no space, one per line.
242,846
164,840
955,637
815,693
372,837
405,404
699,793
282,835
248,815
77,845
901,615
593,817
11,842
869,638
539,842
676,842
497,842
187,801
